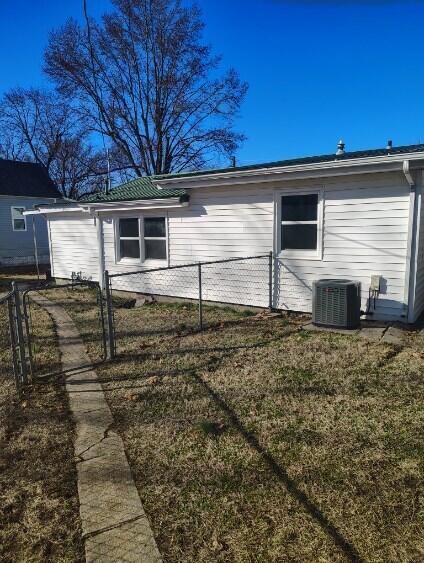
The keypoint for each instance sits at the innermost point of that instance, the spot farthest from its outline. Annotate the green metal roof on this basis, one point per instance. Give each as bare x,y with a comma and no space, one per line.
143,188
299,161
140,188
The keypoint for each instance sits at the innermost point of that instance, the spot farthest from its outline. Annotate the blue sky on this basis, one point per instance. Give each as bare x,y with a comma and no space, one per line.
317,70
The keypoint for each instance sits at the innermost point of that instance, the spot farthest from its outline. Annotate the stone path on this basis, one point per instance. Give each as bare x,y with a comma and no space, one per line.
115,526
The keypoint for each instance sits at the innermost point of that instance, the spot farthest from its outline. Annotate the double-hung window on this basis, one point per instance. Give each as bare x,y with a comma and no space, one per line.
300,224
140,239
129,239
18,219
154,238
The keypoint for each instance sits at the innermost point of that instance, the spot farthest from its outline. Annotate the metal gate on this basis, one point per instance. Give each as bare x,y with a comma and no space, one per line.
23,354
19,346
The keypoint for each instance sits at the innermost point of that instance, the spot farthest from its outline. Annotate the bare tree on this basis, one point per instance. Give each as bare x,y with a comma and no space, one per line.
78,169
38,126
142,77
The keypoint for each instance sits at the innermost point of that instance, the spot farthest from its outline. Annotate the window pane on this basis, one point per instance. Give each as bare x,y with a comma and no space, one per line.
299,207
155,249
299,237
19,224
17,211
128,227
154,227
129,248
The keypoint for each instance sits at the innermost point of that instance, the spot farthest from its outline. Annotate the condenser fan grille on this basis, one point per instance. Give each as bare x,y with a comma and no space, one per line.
336,303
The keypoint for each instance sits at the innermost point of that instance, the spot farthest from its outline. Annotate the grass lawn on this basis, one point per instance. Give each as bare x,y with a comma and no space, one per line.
39,512
256,442
6,279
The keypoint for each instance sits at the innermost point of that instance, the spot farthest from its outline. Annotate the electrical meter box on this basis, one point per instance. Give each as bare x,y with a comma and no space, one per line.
375,282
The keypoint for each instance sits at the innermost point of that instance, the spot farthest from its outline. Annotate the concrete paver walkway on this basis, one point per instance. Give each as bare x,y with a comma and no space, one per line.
115,526
371,332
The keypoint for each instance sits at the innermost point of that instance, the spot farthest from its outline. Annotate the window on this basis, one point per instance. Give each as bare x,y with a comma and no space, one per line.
129,241
18,219
154,238
300,224
129,238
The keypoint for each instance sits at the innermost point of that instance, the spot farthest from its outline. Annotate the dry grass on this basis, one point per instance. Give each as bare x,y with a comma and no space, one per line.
256,442
6,279
39,513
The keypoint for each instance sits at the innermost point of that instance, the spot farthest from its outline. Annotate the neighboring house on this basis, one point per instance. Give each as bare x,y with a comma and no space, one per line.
22,186
346,215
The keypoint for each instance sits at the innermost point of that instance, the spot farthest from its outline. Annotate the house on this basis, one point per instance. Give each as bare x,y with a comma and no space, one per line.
350,215
22,186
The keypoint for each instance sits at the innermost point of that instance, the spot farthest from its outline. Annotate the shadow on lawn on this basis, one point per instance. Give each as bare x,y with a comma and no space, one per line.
91,329
201,349
279,472
211,364
348,549
189,327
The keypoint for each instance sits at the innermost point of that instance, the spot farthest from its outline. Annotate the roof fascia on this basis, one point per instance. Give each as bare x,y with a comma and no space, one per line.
107,206
168,203
388,163
54,208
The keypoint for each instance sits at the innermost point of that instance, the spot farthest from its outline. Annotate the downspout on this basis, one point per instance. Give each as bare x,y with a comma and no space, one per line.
52,272
411,251
101,249
408,175
34,236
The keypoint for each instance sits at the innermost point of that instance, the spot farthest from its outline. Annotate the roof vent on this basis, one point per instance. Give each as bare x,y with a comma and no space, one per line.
340,148
389,145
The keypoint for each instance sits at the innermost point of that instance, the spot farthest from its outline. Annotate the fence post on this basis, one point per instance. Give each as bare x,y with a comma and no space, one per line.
199,266
20,335
28,334
270,281
12,329
109,312
102,320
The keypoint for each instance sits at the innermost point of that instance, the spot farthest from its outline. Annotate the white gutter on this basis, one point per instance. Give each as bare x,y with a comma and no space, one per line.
45,210
169,203
386,163
407,171
32,212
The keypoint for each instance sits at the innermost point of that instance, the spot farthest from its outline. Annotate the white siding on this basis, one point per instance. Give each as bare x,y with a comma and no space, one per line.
365,232
218,224
73,239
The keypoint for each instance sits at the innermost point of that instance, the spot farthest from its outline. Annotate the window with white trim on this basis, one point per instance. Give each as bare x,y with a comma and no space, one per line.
141,239
154,238
300,223
129,238
18,219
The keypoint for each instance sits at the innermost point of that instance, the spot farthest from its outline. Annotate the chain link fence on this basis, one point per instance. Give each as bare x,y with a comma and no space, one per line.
26,336
84,301
14,349
196,292
195,297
